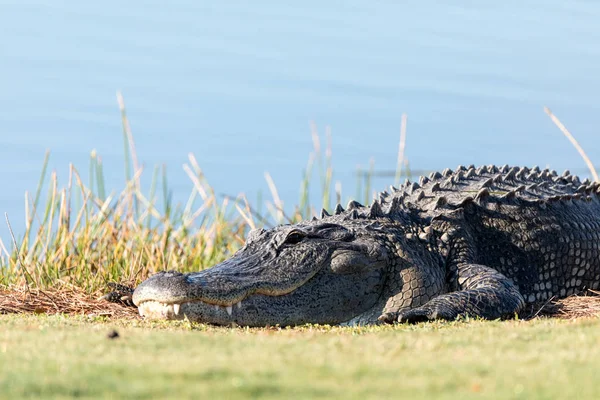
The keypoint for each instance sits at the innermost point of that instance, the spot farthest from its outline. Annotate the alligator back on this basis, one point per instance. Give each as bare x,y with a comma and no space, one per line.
539,229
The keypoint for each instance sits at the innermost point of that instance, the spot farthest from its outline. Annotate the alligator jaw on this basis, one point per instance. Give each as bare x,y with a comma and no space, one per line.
184,297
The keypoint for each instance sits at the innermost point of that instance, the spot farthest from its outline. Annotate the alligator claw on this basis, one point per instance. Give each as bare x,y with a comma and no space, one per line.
388,318
121,294
412,316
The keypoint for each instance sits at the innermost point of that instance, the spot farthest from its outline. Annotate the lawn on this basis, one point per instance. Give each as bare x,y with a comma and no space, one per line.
61,357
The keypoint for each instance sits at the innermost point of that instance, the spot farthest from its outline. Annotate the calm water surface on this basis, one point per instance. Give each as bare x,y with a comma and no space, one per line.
237,83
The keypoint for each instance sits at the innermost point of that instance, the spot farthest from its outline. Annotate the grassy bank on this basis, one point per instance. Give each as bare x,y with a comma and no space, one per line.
514,359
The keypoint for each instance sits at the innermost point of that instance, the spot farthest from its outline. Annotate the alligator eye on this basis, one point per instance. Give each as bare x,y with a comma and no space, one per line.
294,237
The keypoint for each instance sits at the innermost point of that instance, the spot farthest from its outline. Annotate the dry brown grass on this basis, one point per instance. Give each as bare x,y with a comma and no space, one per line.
75,301
585,305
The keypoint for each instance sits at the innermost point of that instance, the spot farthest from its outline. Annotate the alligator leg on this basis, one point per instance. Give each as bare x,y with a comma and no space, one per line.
120,294
483,292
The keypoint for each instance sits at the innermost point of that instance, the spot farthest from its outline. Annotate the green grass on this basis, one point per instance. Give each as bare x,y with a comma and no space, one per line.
60,357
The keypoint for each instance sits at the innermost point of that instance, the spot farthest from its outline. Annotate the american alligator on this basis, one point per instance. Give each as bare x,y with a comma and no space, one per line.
480,242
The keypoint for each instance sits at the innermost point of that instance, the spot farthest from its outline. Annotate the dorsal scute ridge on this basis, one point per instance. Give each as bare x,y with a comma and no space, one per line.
503,183
466,186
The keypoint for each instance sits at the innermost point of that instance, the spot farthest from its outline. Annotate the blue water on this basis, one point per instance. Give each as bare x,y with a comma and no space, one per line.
238,82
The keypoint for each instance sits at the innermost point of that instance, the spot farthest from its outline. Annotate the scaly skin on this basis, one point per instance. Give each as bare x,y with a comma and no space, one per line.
479,242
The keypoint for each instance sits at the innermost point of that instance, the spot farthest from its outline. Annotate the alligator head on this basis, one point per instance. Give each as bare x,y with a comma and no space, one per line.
313,272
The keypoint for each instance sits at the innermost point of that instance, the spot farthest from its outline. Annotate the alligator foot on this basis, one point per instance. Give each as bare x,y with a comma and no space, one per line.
120,294
486,294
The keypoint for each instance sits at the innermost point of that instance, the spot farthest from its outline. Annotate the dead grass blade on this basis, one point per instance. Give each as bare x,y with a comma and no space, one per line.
574,142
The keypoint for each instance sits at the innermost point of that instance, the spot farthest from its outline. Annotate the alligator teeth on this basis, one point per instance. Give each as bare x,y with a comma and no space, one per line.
157,310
